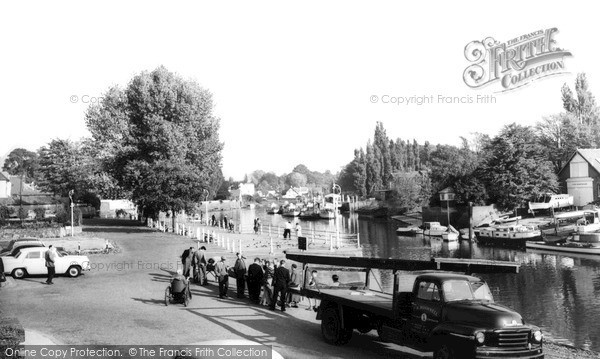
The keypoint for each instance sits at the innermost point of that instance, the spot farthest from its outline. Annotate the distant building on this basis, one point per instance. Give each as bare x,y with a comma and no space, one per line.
109,207
244,189
5,185
295,192
580,176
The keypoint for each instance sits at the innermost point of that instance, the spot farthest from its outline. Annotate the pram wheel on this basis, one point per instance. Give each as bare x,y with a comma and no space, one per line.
167,296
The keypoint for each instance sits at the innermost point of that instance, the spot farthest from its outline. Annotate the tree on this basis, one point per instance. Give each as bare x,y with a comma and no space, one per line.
21,162
296,179
516,168
582,104
165,140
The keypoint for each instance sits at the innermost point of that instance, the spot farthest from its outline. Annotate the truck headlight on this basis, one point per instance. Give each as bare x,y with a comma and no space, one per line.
537,336
480,337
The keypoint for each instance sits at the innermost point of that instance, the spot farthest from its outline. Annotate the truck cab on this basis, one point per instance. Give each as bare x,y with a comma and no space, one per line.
455,316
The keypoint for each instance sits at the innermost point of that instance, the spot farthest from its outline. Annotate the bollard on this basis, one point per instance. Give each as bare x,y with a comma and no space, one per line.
233,247
228,243
198,233
176,229
357,240
240,245
271,238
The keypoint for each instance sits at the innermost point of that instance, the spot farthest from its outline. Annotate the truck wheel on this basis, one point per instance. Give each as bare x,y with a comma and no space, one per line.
331,328
443,352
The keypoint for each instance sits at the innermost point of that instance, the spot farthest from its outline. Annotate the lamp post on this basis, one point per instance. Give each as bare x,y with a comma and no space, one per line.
71,192
206,203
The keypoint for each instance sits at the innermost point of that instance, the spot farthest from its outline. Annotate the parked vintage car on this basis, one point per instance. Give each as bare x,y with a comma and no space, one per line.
16,243
15,250
31,261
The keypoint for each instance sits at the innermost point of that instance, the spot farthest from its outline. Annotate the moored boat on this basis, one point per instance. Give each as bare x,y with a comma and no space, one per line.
433,229
408,231
451,235
290,212
568,247
508,235
327,213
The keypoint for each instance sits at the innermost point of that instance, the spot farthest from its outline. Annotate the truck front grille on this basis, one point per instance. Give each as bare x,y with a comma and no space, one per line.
514,339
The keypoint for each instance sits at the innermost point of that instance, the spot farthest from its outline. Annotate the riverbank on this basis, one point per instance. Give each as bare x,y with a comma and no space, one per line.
125,296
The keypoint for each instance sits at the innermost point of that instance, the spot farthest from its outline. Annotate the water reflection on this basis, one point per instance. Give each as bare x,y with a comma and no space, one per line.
560,293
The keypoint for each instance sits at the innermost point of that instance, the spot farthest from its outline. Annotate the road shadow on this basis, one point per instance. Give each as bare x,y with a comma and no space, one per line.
267,328
110,225
157,302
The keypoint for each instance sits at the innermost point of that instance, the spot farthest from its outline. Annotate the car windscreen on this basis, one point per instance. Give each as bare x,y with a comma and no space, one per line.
466,290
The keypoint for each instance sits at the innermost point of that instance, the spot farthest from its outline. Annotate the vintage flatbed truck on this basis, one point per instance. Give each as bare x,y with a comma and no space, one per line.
453,315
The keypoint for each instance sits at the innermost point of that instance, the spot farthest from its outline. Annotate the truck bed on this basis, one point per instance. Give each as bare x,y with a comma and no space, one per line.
374,302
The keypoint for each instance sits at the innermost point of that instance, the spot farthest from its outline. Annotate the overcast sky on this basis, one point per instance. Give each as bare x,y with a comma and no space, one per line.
292,82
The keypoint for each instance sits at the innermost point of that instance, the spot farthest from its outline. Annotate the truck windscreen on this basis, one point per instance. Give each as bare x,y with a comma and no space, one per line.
465,290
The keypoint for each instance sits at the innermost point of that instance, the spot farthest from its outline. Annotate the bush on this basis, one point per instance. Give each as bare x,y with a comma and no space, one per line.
40,213
121,213
23,213
61,215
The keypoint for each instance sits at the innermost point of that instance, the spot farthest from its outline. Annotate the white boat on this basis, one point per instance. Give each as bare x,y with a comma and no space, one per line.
550,200
515,235
568,247
451,235
433,229
589,222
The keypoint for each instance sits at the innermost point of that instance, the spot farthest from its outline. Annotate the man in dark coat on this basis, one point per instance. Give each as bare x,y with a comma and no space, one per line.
240,275
255,279
50,257
199,262
221,271
186,260
281,281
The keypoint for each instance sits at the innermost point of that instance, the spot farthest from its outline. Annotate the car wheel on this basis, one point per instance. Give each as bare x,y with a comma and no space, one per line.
19,273
74,271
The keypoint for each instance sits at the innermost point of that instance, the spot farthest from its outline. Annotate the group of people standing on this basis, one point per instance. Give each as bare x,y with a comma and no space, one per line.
287,230
268,282
195,260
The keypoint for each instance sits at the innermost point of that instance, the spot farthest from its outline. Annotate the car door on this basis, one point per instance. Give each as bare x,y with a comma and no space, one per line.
34,262
426,308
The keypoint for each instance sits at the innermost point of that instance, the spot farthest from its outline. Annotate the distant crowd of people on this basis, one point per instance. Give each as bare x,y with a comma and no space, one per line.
268,283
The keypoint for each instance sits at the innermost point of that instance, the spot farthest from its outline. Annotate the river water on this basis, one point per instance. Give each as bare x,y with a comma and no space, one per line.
558,292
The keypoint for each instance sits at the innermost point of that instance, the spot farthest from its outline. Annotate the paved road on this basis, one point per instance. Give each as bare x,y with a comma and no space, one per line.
121,301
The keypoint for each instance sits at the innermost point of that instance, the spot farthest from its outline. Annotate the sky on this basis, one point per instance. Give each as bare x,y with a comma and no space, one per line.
293,82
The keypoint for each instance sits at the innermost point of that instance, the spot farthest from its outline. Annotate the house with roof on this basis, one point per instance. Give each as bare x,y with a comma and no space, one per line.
580,176
5,185
295,192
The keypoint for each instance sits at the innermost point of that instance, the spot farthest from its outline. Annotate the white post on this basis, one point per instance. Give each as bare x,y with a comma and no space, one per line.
357,240
227,243
232,246
176,229
72,223
240,245
271,238
330,242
